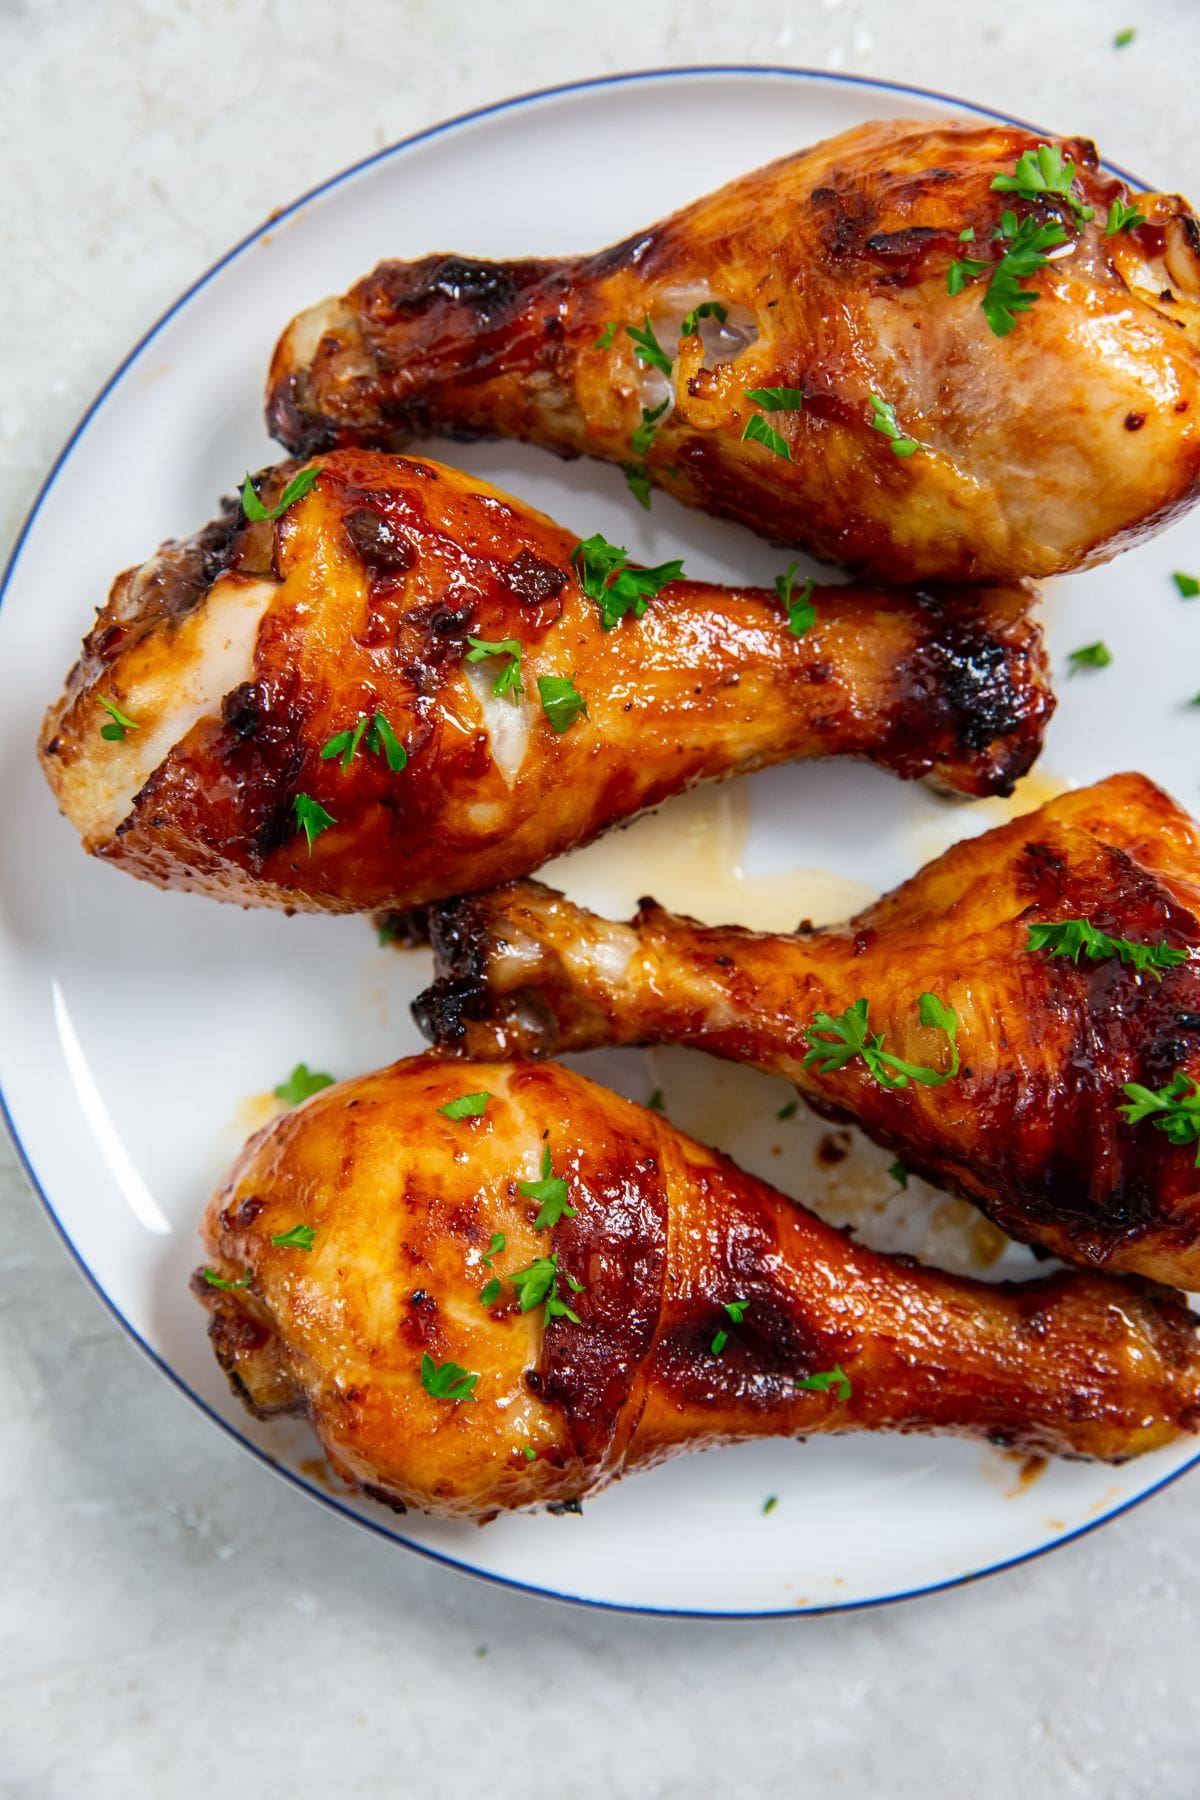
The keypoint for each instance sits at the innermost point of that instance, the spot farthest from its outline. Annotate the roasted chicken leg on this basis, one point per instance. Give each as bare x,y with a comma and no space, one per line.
465,1345
245,701
814,352
1019,1105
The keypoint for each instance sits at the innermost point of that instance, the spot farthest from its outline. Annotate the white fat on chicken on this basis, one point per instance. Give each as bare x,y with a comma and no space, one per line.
507,725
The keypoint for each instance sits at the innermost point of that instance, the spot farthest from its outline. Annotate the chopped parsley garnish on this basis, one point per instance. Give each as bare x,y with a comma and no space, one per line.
789,1110
295,490
884,420
770,1503
719,1342
1122,218
606,336
1174,1109
707,309
311,818
736,1309
959,273
1078,937
300,1237
491,1292
637,480
538,1284
656,1103
837,1041
219,1281
561,701
466,1106
1188,586
1124,38
647,348
302,1084
446,1381
1090,656
800,610
606,576
551,1194
779,399
826,1379
1004,297
381,741
643,434
899,1174
118,722
1039,173
495,1247
509,679
529,1453
967,236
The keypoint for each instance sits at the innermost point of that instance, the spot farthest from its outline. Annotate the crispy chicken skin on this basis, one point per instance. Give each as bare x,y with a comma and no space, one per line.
1044,450
1030,1129
404,1204
241,653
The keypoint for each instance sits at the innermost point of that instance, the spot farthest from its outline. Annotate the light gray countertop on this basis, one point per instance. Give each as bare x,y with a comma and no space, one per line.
173,1620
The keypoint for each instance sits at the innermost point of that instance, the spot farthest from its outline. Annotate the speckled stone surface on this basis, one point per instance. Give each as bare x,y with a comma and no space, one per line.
174,1622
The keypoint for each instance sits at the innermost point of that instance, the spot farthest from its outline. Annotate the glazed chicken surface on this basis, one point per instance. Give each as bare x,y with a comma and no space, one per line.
252,664
421,1248
1018,1109
826,278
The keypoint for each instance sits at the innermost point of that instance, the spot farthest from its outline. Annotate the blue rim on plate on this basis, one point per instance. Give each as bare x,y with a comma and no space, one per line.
331,1501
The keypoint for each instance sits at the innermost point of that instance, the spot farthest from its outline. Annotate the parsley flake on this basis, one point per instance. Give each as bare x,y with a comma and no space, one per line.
1078,937
789,1110
647,348
643,435
1122,218
1124,38
118,722
311,818
736,1310
825,1379
606,336
495,1247
1004,297
551,1193
1187,585
466,1106
490,1293
295,490
219,1281
447,1381
884,420
538,1285
770,1503
302,1084
801,612
1042,172
300,1237
759,432
899,1174
607,577
1174,1109
509,679
381,741
778,399
656,1102
1090,656
561,701
707,309
837,1041
637,480
719,1342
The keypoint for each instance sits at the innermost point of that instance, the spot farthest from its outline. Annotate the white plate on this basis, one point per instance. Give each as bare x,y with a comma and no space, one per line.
134,1024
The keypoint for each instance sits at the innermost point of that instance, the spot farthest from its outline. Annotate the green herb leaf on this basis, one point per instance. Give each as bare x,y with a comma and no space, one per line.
300,1237
837,1041
1188,587
899,1174
967,236
311,818
1124,38
382,741
219,1281
606,576
759,432
801,612
509,679
736,1309
643,435
447,1381
826,1379
295,490
647,348
776,399
1090,656
637,480
606,336
719,1342
495,1247
1041,172
561,701
529,1453
961,272
1174,1109
884,420
770,1503
118,724
707,309
1078,937
538,1285
1004,297
655,1103
551,1193
789,1111
466,1106
1122,218
301,1084
345,743
491,1293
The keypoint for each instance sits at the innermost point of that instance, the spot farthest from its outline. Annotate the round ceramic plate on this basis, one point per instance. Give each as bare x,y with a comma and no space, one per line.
141,1032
